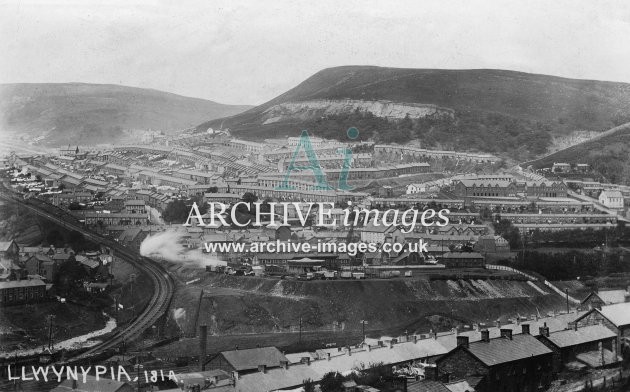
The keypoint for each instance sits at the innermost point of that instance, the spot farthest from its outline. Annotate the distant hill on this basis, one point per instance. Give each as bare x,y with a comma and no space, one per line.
497,111
88,113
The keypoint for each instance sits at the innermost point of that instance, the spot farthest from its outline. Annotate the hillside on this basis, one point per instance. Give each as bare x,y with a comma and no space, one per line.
608,155
233,305
487,110
92,113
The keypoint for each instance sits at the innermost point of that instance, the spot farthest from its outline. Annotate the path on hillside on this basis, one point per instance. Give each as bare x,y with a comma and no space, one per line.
611,131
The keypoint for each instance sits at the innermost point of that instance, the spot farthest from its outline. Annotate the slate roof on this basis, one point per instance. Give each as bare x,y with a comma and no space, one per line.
250,358
462,255
618,314
571,337
503,350
612,296
427,386
5,245
21,283
91,384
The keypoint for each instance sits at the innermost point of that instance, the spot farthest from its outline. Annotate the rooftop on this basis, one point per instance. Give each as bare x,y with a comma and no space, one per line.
503,350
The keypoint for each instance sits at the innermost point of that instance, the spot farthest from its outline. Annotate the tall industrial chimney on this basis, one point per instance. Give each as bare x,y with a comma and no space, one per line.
203,346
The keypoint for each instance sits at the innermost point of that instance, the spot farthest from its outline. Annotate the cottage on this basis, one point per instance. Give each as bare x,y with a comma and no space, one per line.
248,360
615,317
593,345
511,363
91,384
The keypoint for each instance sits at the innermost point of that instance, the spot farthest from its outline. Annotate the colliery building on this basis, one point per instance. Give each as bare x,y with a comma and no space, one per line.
471,188
16,292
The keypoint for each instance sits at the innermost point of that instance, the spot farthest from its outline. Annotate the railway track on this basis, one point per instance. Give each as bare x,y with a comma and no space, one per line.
162,282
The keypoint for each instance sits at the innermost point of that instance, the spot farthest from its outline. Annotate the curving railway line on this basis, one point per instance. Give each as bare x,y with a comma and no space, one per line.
162,282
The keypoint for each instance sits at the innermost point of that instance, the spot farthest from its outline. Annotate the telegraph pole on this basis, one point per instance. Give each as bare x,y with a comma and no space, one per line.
50,330
363,322
300,335
567,293
133,305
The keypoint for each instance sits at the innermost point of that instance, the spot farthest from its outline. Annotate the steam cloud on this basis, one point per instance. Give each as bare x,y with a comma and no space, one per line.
168,246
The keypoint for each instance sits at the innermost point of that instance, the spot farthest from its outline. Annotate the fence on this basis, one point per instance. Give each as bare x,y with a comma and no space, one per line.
531,277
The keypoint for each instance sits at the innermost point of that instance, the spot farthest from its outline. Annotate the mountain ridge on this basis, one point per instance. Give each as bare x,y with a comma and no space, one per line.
489,104
92,113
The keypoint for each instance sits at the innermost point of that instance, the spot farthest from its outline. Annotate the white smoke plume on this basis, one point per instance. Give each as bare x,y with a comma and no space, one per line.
168,245
179,315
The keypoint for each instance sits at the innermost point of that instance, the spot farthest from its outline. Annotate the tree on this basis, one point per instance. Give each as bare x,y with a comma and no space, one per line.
249,197
176,211
55,238
309,385
331,382
70,276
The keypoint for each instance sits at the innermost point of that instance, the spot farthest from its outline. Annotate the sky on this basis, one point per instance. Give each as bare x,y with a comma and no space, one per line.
247,52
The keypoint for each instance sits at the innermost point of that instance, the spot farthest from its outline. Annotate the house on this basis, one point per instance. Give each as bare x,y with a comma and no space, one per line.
561,167
10,270
9,250
593,345
135,207
42,265
16,292
378,234
463,260
91,384
248,360
615,317
611,198
597,299
492,244
510,363
314,365
207,379
484,188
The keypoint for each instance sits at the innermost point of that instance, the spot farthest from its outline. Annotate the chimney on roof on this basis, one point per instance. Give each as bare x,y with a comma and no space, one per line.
544,330
369,348
498,323
575,326
485,335
328,356
415,339
462,341
380,343
525,329
506,333
203,346
391,343
349,350
262,368
284,364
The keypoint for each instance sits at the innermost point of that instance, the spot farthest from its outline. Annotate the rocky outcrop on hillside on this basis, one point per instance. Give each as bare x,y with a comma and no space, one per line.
306,110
